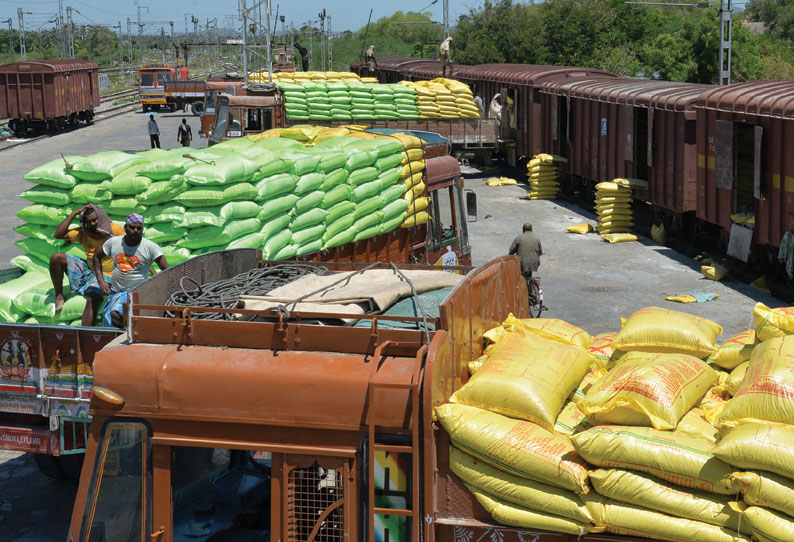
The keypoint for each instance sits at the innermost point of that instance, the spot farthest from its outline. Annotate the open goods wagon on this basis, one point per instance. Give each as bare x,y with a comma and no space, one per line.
48,94
281,429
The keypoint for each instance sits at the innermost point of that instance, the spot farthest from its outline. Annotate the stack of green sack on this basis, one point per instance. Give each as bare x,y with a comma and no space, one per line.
273,194
346,100
296,102
613,207
542,175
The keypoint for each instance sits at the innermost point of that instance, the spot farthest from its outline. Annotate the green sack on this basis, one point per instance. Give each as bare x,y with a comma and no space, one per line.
309,183
329,160
309,201
268,165
384,146
392,193
365,191
239,192
276,225
314,246
26,263
152,154
340,238
289,251
389,161
252,240
90,192
302,163
367,206
291,87
129,183
390,177
312,217
276,243
72,309
42,250
368,233
165,212
42,214
276,185
174,255
232,144
164,232
395,209
53,173
204,216
342,224
278,144
48,195
103,165
162,191
359,159
212,236
237,210
123,206
13,288
333,142
38,231
363,175
209,196
333,179
361,114
166,167
277,206
339,210
308,235
225,170
389,225
368,221
38,301
334,196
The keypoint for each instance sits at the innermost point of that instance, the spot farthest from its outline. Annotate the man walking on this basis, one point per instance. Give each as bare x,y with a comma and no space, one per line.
132,257
95,228
154,132
184,134
527,247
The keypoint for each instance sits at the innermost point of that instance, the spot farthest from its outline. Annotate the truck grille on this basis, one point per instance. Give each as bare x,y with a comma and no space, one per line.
315,505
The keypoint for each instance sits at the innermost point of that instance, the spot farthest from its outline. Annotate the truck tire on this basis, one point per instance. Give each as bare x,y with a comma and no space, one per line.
172,107
197,108
50,466
71,466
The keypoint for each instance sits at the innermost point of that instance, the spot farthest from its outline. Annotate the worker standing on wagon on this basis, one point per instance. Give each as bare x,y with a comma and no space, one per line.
528,249
446,66
371,62
132,258
495,107
184,134
95,228
154,132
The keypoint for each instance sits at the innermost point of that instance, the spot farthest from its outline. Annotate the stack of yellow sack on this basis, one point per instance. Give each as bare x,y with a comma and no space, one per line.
412,178
464,99
443,99
613,207
542,175
262,76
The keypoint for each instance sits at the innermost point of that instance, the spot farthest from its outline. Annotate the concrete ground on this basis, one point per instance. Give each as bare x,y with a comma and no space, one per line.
586,281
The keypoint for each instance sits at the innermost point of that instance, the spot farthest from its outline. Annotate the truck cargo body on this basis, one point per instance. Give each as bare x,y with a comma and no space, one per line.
183,94
48,94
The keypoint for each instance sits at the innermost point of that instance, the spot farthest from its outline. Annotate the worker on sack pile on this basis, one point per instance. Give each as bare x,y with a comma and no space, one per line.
95,228
304,56
371,62
527,247
184,134
132,257
495,107
154,132
446,65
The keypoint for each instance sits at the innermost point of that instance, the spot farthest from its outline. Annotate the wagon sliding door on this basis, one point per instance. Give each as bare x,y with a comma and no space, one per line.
737,164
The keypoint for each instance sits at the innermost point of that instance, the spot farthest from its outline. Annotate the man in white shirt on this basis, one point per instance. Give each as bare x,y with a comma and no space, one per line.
446,66
154,132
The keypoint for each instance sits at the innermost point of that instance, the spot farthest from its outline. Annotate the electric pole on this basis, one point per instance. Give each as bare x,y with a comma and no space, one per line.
10,39
726,10
121,49
162,42
22,50
140,32
446,19
129,42
321,15
70,31
330,48
269,54
244,13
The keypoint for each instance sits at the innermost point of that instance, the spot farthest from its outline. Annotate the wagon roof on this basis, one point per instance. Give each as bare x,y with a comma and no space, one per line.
669,95
526,73
769,98
55,65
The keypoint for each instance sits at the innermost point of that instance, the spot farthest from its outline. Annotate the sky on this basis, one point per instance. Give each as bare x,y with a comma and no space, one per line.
345,14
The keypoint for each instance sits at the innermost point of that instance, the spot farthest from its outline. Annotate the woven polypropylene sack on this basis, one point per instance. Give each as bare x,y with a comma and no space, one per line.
165,212
338,226
681,459
224,170
735,350
164,232
771,323
552,329
47,195
759,446
38,301
362,175
53,173
276,185
208,196
335,195
526,377
237,210
89,192
162,191
628,519
338,210
124,205
103,165
517,447
769,525
252,240
312,217
654,329
735,379
166,167
649,492
11,289
602,349
340,238
45,215
277,206
276,244
333,179
204,216
768,490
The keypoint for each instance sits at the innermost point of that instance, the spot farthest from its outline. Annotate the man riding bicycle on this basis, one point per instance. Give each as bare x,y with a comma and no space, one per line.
527,247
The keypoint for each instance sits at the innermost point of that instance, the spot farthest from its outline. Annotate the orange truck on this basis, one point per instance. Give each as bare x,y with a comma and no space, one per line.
161,85
282,429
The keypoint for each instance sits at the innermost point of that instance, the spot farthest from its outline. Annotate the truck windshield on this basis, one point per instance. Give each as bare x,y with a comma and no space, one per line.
147,79
115,506
162,78
209,102
221,118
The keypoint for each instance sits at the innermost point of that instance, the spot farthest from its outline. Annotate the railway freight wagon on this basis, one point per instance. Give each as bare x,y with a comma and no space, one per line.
609,128
48,94
745,163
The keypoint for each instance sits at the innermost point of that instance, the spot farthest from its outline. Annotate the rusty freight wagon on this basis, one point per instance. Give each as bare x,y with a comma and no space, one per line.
48,94
282,429
629,128
745,162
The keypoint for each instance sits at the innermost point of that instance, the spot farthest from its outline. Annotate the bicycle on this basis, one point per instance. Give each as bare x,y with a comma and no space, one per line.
535,297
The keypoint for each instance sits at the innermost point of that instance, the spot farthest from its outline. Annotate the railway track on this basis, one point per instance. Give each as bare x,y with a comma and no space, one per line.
117,95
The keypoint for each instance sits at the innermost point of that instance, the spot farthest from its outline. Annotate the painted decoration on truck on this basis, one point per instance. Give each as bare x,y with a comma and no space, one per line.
17,373
73,381
392,491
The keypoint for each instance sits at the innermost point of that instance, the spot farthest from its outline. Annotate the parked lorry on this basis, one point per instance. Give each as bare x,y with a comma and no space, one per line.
152,80
179,95
46,371
284,430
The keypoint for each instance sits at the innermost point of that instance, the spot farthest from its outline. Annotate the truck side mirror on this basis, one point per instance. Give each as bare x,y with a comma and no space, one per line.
471,205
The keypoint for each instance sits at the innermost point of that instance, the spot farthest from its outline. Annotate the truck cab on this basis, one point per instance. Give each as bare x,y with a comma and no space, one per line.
252,113
152,78
212,92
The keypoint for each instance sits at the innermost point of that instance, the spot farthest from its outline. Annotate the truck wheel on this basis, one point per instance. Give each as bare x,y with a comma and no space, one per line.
145,108
50,466
172,107
71,466
197,108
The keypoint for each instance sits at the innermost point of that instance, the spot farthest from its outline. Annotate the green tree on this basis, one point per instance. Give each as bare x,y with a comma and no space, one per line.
498,32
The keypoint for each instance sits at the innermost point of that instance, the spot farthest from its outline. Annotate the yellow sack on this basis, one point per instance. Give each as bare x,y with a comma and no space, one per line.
571,420
760,285
714,272
512,489
581,228
601,348
551,328
759,446
594,374
632,520
476,364
500,181
767,390
768,490
415,166
516,516
416,190
659,234
695,423
618,237
648,389
514,446
411,155
714,402
526,377
678,458
649,492
771,323
770,526
736,377
417,205
412,180
415,220
654,329
735,350
409,141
